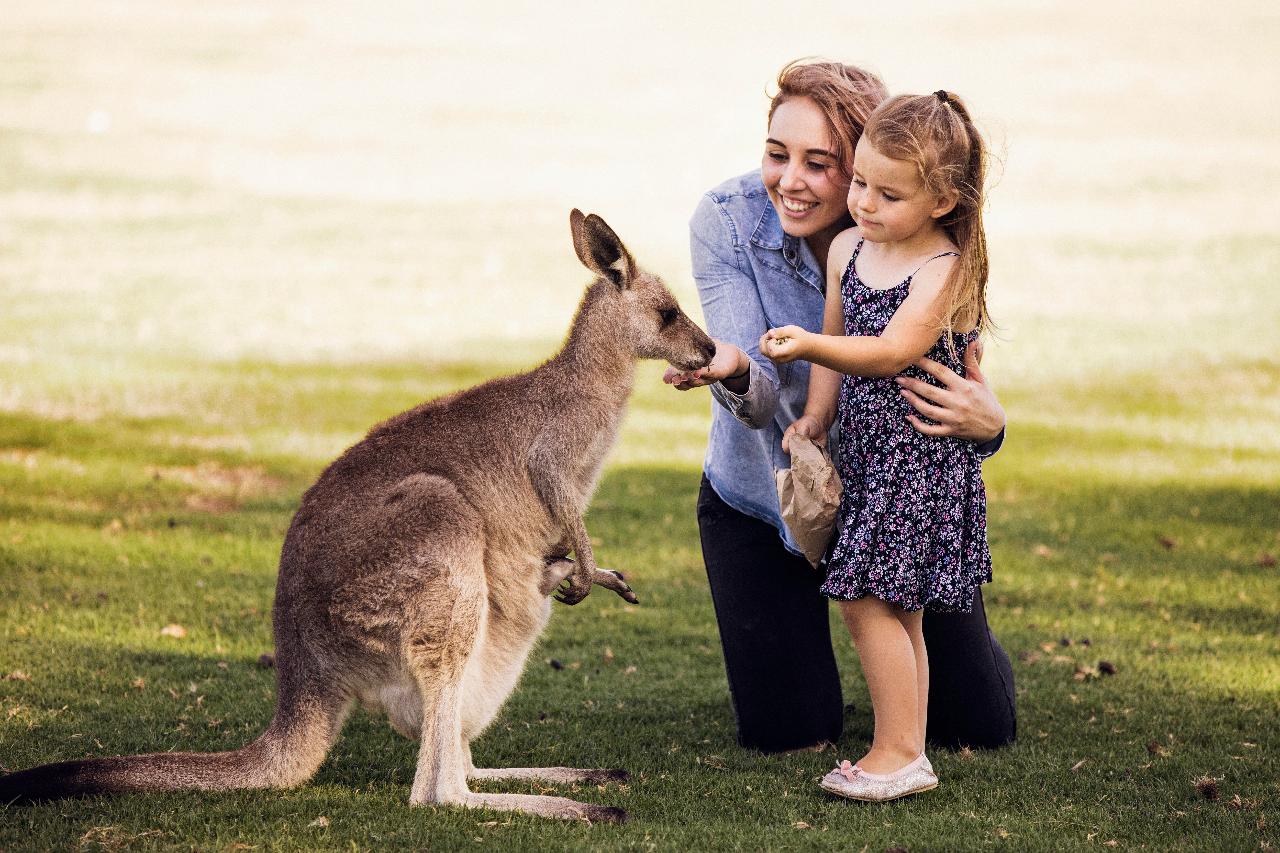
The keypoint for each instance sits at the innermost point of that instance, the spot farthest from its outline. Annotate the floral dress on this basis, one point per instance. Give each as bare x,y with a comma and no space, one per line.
912,526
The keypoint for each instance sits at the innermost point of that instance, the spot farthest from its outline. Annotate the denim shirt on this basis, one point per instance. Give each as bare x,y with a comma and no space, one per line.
752,276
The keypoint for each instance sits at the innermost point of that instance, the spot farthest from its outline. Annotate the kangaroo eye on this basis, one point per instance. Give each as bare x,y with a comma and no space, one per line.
668,315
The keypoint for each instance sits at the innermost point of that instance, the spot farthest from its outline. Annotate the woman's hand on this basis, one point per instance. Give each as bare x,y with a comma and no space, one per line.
965,407
729,361
808,426
784,344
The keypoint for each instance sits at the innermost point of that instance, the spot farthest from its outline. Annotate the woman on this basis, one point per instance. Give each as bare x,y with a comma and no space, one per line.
759,244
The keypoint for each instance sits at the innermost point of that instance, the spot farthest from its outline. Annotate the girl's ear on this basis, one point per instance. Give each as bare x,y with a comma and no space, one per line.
946,203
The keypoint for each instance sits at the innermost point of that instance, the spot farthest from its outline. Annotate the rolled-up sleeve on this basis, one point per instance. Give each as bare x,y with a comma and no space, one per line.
987,449
731,306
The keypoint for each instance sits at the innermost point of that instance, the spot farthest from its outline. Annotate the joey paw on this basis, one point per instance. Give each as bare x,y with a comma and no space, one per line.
572,591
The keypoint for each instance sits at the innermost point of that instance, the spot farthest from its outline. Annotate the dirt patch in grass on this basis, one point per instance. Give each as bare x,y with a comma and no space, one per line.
25,457
219,488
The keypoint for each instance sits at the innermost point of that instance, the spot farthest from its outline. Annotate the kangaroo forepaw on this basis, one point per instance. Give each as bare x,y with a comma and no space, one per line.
573,590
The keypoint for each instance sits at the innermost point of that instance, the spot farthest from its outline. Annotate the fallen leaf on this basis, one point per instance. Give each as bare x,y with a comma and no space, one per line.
608,655
173,630
1078,765
1106,667
1111,843
1168,542
629,670
1156,748
1207,787
800,825
321,822
1043,551
17,675
138,684
1266,560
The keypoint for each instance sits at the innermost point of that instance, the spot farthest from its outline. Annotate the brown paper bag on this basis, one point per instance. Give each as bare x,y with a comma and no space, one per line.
809,495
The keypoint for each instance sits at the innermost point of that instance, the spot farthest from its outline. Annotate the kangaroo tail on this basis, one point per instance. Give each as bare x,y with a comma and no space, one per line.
288,753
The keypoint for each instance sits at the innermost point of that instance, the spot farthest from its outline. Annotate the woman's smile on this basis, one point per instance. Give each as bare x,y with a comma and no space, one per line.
797,206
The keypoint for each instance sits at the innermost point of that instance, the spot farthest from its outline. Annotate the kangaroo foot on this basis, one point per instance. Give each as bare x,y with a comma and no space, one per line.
565,775
558,807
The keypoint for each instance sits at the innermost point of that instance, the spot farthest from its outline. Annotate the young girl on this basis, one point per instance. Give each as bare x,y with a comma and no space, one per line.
908,280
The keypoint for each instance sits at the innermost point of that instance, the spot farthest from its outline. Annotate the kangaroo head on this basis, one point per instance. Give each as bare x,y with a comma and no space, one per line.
649,316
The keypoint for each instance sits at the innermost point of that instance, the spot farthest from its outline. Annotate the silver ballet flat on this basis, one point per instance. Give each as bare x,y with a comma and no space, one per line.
854,783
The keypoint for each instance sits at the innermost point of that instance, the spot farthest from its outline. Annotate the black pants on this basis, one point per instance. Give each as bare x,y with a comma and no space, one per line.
782,672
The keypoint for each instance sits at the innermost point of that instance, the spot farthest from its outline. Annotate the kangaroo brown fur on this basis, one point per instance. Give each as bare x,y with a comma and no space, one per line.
415,575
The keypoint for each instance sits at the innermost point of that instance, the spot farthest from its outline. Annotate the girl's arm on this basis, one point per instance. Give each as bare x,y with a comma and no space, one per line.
911,333
824,384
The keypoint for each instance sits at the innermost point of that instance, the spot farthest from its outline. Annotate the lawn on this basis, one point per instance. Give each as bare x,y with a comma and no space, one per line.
235,236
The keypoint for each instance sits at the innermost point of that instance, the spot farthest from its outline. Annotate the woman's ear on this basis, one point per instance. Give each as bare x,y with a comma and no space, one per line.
946,203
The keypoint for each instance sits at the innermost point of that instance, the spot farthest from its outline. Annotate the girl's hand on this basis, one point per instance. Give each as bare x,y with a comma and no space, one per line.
728,361
808,426
784,344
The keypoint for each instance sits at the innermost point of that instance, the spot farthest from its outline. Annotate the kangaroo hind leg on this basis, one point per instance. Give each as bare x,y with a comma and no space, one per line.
441,633
436,650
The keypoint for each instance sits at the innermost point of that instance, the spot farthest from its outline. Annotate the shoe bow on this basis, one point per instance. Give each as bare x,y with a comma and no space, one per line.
847,770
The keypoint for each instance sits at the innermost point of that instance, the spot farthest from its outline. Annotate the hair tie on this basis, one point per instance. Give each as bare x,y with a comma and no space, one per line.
942,96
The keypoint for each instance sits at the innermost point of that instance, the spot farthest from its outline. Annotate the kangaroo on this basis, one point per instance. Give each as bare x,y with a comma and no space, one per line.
417,573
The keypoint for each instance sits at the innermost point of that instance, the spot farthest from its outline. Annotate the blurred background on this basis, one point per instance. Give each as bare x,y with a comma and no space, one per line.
339,182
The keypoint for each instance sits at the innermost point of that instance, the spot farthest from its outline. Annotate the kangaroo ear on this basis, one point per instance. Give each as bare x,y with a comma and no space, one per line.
600,250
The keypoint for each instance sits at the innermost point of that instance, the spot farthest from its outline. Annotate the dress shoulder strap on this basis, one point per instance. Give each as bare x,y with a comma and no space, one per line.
922,266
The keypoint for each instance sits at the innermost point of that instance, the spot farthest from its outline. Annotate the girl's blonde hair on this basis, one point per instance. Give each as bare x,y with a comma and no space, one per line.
936,134
845,94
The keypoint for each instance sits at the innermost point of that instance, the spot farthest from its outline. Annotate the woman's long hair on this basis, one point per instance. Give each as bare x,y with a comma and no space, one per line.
845,94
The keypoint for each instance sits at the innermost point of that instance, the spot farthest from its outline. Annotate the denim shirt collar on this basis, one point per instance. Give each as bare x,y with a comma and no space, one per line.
795,251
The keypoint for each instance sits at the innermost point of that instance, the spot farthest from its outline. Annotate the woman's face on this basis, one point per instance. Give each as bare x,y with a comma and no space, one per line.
800,172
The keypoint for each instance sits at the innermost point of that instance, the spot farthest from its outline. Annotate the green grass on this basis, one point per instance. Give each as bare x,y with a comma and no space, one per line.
233,236
114,530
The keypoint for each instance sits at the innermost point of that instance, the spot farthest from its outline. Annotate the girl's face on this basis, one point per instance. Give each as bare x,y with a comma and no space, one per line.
800,172
888,199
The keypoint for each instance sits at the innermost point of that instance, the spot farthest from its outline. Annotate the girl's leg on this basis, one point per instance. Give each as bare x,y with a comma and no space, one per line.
881,634
774,629
915,630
